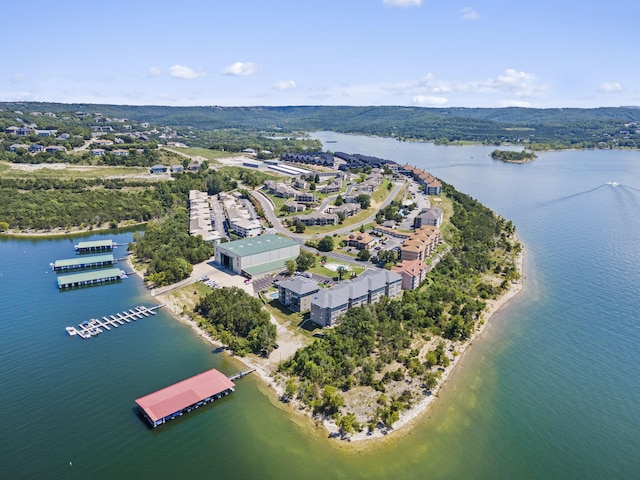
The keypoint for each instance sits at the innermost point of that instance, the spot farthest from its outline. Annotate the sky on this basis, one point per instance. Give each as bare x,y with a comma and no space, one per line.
431,53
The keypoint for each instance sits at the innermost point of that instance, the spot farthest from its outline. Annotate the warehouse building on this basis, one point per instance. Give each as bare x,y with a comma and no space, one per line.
257,256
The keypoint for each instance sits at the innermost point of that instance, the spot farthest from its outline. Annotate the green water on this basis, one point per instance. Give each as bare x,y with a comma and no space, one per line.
551,390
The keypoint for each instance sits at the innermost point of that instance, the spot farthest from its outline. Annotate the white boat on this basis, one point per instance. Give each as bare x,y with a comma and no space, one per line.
613,184
71,331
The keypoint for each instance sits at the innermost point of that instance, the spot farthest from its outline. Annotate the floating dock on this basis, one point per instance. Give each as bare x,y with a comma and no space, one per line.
95,326
95,246
86,261
95,277
182,397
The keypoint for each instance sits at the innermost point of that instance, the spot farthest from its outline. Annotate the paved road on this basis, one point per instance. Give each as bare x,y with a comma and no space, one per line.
268,208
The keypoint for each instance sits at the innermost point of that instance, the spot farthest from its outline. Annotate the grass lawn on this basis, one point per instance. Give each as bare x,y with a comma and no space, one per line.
320,270
67,171
189,295
210,155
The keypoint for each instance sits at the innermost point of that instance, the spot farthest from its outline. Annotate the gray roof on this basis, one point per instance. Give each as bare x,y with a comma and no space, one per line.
330,299
299,285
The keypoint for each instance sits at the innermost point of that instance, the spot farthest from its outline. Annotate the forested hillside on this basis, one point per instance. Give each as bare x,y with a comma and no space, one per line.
539,128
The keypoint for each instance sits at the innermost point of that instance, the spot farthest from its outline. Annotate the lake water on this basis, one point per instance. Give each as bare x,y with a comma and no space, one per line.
551,390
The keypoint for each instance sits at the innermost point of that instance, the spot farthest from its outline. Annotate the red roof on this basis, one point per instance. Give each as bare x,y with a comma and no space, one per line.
180,395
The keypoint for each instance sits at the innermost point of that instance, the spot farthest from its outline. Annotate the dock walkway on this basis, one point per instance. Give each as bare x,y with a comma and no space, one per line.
95,326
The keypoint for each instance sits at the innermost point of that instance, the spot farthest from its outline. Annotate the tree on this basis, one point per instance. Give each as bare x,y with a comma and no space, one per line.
300,227
364,200
364,255
312,187
4,226
305,261
338,201
326,244
341,270
291,266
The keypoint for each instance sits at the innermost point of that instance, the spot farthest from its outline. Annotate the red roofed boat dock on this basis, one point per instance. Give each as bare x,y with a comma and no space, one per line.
184,396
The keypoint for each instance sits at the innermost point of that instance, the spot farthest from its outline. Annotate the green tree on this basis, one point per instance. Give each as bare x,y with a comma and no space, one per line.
291,266
364,200
364,255
305,261
326,244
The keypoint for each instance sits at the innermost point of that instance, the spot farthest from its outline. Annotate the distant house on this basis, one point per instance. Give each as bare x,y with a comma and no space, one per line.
36,147
18,146
159,169
119,152
46,133
193,167
249,151
97,152
55,148
177,168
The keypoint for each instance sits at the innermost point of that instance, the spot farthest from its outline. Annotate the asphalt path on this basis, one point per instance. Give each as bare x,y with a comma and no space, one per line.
268,207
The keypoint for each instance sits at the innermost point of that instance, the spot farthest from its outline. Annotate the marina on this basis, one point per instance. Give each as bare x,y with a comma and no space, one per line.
95,277
95,326
85,261
95,246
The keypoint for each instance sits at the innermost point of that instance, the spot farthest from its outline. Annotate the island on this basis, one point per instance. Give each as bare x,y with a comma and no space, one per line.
511,156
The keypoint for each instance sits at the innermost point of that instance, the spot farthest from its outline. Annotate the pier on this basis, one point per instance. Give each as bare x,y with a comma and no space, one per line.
241,374
95,277
95,326
86,261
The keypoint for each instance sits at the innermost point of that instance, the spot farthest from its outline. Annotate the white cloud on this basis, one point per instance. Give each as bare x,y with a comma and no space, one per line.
154,72
180,71
402,3
284,85
610,87
429,100
241,68
469,13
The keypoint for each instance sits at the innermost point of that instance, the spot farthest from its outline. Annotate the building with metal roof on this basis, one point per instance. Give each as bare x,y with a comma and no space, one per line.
257,257
84,261
94,246
172,401
89,278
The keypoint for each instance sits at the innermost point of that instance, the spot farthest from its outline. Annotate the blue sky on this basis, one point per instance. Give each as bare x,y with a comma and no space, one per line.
433,53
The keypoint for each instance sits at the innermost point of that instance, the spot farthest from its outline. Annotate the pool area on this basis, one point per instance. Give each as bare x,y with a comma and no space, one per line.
334,266
272,295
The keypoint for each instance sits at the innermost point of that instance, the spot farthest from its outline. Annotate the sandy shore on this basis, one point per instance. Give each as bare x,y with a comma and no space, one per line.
289,342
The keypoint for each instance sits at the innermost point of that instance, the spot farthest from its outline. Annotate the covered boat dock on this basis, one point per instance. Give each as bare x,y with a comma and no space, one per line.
95,246
85,261
89,278
184,396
